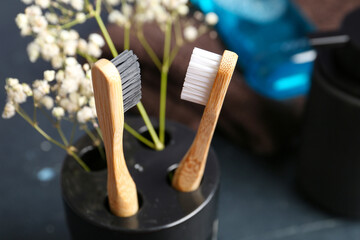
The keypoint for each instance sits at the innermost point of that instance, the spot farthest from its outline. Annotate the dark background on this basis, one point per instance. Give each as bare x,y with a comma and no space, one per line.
258,198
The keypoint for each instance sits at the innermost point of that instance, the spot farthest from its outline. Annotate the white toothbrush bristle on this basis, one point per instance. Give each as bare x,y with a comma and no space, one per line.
200,76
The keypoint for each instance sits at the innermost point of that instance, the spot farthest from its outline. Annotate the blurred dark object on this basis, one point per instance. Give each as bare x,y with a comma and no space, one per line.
265,127
329,169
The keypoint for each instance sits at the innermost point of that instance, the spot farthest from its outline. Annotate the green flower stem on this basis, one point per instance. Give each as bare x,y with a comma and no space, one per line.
139,105
88,58
61,133
73,130
178,34
78,159
47,115
173,54
106,35
50,139
139,136
148,49
127,36
98,130
76,22
158,144
63,9
35,112
163,83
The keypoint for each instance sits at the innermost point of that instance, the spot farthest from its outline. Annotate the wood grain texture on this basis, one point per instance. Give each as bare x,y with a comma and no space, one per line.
188,175
107,86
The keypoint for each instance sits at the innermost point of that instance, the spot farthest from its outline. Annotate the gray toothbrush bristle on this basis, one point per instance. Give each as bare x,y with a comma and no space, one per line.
129,70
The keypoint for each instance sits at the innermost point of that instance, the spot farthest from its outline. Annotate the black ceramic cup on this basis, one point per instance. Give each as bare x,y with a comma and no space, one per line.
164,214
329,167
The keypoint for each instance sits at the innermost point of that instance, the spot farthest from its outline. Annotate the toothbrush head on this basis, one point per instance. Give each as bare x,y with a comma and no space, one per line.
129,70
200,76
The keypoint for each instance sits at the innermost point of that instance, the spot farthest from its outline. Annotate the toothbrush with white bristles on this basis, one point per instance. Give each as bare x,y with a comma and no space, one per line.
207,79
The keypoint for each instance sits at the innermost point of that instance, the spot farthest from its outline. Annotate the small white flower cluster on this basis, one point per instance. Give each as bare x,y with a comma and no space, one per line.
146,11
51,42
191,32
74,94
72,88
55,46
159,11
78,5
32,21
17,93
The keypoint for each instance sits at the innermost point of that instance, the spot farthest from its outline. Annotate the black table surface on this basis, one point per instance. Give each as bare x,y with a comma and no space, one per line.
258,198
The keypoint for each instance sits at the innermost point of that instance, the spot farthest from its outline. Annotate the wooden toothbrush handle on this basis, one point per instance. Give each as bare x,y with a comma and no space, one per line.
188,175
107,86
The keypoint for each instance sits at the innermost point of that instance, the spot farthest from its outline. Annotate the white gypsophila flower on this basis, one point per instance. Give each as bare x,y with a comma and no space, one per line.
211,18
43,3
49,51
47,102
9,110
27,1
22,21
68,85
86,88
74,98
94,50
173,4
40,89
82,45
161,14
190,33
86,67
11,82
82,101
126,10
70,47
183,10
33,50
26,31
33,11
57,62
85,114
52,18
198,15
39,24
77,4
92,105
80,17
16,94
92,102
15,91
60,75
69,106
49,75
117,17
58,112
71,61
113,2
96,39
64,1
27,90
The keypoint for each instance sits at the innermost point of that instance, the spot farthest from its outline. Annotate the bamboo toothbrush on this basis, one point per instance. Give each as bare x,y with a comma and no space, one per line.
207,79
117,88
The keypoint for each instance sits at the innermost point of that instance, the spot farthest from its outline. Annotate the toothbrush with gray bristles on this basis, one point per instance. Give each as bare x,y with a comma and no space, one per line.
117,88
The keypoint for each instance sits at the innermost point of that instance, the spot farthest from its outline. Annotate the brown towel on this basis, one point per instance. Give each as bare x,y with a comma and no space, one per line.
264,126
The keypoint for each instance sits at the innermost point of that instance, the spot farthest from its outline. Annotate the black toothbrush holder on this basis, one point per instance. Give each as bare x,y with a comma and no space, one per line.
329,161
164,214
